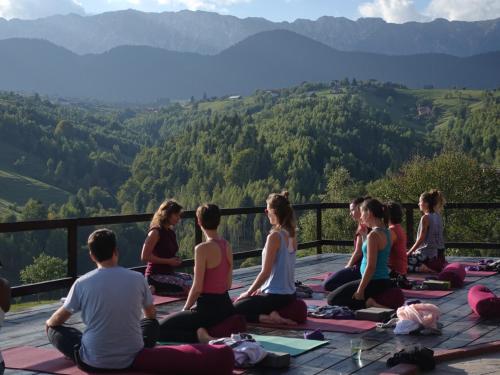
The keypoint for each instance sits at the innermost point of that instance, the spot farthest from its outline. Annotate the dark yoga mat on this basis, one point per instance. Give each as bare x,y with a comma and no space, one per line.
161,300
328,325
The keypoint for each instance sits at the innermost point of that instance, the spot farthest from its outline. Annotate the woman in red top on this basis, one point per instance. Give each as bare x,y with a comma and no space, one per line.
213,269
160,251
398,260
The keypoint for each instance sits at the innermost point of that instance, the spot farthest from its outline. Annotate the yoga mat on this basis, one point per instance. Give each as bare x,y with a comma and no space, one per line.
328,325
292,346
423,276
52,361
43,360
161,300
320,277
315,302
430,294
477,273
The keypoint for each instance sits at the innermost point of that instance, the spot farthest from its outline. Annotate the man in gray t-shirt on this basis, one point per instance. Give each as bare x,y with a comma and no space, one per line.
111,300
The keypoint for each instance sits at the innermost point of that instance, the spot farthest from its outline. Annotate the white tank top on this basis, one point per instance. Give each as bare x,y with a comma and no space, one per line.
2,315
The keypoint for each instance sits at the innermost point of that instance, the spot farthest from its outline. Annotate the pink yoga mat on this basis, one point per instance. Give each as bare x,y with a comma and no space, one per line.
315,302
161,300
43,360
328,325
423,276
430,294
51,361
320,277
477,273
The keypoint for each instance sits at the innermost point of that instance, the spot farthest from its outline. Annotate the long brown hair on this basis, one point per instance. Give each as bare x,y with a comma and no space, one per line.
162,214
284,212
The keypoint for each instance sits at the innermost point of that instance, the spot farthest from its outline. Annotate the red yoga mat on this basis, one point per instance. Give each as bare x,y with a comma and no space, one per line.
161,300
51,361
42,360
327,325
430,294
320,277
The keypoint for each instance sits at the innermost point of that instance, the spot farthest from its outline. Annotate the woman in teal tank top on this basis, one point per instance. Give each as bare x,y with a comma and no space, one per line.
376,249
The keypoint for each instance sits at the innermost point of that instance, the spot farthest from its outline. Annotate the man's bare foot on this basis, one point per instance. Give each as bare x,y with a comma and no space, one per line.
203,336
275,318
424,269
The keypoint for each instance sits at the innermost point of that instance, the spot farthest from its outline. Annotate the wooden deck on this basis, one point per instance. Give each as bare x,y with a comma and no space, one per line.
461,328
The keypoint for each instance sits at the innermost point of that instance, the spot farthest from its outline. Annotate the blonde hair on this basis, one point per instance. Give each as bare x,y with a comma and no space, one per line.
162,215
284,212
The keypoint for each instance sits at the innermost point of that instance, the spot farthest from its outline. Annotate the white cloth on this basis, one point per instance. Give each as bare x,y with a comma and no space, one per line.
404,327
246,353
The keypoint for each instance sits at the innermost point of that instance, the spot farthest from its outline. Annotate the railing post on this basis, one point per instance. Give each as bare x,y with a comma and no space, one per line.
72,250
319,233
409,226
197,233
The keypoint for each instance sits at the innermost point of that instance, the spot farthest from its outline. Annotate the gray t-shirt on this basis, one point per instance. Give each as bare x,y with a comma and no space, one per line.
111,302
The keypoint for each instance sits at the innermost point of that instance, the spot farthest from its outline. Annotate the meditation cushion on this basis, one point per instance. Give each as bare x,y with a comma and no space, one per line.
186,359
484,302
454,273
391,298
233,324
296,311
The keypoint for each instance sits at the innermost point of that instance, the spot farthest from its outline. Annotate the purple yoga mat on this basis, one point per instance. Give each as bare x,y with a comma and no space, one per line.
51,361
327,325
429,294
43,360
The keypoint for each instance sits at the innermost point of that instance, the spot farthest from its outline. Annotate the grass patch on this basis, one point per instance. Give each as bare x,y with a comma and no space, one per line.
16,307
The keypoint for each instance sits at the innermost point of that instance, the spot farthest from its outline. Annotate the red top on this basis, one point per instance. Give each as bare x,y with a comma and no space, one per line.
215,281
166,247
398,260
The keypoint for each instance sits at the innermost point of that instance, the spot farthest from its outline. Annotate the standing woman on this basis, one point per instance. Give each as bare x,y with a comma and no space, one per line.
213,269
351,271
274,287
160,251
376,249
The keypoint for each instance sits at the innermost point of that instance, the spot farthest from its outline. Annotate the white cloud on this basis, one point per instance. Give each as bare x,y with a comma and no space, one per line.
396,11
399,11
30,9
202,4
464,10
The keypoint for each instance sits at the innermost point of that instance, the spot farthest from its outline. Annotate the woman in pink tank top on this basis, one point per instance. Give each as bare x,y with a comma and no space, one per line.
213,268
398,260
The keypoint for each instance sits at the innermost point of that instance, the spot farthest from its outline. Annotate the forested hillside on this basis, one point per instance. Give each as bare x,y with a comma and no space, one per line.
88,159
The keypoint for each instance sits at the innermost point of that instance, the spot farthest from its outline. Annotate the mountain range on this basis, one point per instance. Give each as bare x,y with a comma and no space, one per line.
210,33
271,59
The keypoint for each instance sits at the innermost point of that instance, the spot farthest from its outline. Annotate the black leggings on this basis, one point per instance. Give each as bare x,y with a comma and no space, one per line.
341,277
252,307
342,296
211,309
68,341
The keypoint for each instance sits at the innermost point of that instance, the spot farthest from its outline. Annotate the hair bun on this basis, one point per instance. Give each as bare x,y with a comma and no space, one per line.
285,194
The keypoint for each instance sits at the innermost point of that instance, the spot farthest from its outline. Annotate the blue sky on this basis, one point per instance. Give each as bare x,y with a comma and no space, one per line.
397,11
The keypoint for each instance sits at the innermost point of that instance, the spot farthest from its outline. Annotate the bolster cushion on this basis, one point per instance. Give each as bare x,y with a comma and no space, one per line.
392,298
454,273
484,302
233,324
186,359
296,311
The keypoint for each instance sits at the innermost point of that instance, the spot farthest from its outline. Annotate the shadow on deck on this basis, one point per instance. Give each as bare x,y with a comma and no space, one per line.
461,328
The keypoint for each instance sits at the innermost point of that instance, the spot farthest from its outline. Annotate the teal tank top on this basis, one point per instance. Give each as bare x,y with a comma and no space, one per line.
381,269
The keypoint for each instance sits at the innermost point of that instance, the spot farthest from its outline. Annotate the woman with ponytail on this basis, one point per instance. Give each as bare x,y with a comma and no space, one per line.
427,253
376,249
274,286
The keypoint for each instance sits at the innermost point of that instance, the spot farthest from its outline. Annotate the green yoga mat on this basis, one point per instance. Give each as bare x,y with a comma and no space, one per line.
289,345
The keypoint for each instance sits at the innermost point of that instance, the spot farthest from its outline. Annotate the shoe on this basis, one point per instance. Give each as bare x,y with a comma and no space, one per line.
422,357
314,335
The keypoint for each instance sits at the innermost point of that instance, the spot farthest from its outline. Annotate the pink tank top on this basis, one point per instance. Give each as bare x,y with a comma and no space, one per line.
215,281
398,260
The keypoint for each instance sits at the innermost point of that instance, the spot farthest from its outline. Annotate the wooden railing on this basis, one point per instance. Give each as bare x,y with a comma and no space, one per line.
72,225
